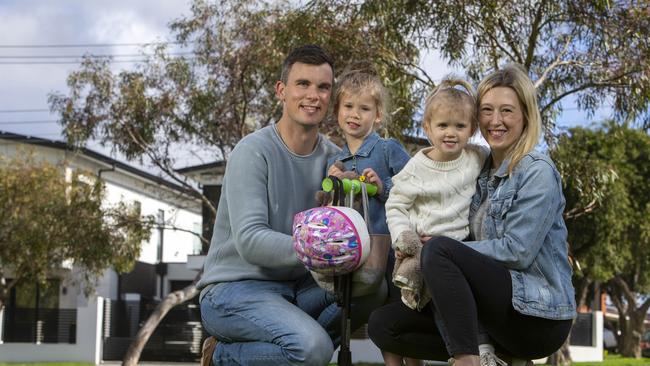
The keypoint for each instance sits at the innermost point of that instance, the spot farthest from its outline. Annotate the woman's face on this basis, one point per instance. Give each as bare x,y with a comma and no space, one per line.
501,119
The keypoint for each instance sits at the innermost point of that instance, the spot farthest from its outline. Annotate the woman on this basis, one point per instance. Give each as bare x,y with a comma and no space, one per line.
514,277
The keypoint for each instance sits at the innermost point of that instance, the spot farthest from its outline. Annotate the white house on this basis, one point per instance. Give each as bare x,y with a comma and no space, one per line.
81,330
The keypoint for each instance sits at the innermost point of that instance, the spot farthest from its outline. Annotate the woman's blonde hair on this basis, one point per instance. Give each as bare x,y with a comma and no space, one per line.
362,78
447,92
514,77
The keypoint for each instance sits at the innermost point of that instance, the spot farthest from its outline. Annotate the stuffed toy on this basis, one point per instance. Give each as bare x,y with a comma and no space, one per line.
406,274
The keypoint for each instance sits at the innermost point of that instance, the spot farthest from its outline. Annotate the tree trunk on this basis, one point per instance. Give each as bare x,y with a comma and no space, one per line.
629,344
630,317
132,355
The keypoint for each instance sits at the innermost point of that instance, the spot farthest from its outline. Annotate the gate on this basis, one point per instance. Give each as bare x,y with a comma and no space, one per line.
177,338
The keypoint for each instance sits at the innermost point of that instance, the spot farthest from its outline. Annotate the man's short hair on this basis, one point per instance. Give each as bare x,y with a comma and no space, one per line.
308,54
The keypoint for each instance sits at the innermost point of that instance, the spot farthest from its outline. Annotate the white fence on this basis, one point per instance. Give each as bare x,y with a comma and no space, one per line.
88,347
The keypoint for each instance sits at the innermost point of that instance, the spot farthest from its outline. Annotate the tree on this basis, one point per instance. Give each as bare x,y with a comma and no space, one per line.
612,241
595,51
40,226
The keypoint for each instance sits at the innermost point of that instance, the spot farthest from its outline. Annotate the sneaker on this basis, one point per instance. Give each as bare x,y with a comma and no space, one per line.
490,359
209,344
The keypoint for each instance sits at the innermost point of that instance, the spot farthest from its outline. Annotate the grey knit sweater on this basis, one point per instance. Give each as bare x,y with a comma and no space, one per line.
265,184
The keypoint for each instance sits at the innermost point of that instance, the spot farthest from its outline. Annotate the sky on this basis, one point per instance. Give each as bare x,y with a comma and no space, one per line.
29,70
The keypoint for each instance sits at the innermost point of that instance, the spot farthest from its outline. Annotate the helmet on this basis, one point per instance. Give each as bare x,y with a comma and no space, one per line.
331,240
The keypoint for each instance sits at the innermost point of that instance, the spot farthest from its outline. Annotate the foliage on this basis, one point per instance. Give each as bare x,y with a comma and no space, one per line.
47,220
612,242
596,51
226,89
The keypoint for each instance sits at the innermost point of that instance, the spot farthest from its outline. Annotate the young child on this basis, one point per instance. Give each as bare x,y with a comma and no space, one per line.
432,194
360,107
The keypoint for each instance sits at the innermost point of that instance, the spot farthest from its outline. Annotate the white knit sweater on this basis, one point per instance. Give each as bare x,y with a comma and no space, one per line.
432,197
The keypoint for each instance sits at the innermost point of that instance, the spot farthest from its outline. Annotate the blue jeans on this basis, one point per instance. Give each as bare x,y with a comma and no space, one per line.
278,322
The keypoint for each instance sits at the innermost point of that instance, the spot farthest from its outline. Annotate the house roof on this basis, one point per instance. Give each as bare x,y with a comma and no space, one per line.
216,165
31,140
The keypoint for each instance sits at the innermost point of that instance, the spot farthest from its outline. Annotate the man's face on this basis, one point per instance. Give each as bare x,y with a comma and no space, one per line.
306,95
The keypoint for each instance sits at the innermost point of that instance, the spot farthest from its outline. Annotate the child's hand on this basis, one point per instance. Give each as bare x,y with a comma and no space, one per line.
372,177
335,171
399,254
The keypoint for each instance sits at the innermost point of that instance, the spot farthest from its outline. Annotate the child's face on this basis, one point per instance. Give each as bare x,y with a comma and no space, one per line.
448,130
357,115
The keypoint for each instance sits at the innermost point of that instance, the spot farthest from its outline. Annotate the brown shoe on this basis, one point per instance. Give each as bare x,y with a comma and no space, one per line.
209,344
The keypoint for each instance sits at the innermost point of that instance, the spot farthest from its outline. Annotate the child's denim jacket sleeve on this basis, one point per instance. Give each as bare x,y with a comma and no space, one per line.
528,235
386,157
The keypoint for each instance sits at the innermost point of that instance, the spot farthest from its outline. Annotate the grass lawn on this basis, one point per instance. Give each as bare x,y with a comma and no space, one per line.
615,360
48,364
611,360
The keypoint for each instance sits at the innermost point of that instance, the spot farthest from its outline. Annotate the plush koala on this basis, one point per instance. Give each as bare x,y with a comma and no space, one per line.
406,274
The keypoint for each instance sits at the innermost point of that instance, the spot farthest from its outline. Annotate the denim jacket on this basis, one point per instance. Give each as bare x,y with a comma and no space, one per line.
527,234
386,157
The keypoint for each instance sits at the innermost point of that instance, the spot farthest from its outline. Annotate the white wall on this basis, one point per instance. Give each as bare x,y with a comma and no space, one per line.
176,244
595,353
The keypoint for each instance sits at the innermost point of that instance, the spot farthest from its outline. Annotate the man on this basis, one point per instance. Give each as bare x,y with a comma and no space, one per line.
257,299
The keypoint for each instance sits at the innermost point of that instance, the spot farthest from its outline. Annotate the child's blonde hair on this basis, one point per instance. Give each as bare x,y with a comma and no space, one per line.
360,78
447,92
514,76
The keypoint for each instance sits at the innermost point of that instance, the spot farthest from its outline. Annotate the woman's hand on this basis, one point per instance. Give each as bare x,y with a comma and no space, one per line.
425,239
374,178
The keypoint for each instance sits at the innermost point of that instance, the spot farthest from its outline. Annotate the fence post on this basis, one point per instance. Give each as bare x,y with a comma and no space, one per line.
2,325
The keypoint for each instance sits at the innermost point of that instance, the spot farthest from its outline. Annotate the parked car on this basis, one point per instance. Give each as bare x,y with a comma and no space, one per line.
645,344
609,340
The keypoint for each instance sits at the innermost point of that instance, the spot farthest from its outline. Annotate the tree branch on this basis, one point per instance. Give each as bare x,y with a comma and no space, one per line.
510,41
629,294
491,36
579,211
168,170
532,40
555,64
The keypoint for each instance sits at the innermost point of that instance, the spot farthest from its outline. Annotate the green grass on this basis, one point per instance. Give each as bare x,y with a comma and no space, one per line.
616,360
613,360
48,364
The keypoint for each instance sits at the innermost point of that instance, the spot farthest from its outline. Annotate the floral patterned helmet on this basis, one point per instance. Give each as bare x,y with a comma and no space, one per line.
331,240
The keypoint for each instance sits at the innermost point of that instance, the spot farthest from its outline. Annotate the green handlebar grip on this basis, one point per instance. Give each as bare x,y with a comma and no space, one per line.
353,185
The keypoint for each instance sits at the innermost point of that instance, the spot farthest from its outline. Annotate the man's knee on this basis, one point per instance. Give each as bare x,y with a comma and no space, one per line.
315,350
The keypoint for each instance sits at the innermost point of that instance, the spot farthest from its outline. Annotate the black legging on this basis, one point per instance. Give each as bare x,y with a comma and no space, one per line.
466,286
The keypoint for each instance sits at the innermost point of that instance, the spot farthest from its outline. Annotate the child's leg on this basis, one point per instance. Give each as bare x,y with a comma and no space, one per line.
413,361
391,359
394,293
483,336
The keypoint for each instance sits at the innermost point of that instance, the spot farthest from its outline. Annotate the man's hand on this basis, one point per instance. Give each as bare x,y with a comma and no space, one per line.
323,198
